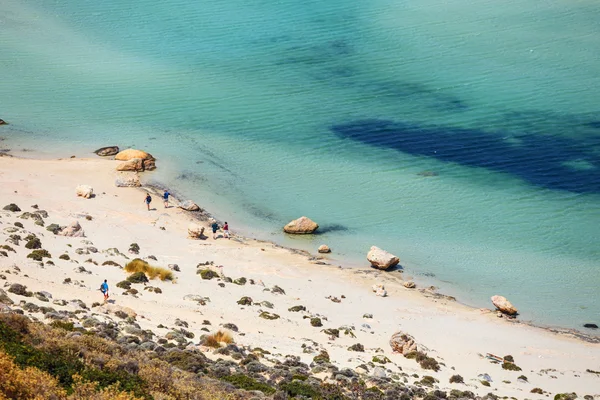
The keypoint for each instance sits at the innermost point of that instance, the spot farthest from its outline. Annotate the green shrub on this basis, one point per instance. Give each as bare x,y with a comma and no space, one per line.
245,301
124,284
137,277
316,322
332,332
240,281
64,257
67,326
247,383
357,347
510,366
297,308
537,390
38,255
298,388
456,379
207,274
139,265
34,243
111,263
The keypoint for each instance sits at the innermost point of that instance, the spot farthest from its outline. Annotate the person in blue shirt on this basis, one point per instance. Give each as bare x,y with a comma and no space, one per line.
104,290
166,195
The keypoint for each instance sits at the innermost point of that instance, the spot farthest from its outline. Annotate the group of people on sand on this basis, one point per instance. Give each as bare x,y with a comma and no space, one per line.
148,199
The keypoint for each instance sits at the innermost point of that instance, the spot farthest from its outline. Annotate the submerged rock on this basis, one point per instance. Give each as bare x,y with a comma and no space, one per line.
324,249
504,305
381,259
590,326
107,151
3,122
85,191
301,226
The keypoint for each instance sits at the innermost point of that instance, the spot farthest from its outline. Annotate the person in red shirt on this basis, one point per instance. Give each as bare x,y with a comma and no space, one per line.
226,230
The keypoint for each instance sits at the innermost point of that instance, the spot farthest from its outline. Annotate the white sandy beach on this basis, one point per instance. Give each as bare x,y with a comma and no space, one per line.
456,335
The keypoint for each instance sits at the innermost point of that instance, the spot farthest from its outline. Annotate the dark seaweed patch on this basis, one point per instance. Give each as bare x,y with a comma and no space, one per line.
538,159
332,228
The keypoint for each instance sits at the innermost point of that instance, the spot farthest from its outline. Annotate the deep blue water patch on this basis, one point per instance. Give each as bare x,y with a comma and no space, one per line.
542,160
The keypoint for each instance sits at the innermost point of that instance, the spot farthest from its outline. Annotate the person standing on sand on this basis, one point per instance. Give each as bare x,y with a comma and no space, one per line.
166,195
214,227
104,289
148,200
226,230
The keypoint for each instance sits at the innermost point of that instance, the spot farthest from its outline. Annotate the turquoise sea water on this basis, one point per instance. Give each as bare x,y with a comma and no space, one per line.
267,111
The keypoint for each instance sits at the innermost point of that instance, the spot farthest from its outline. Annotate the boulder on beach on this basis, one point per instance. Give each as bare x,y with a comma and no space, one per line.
381,259
135,164
409,285
324,249
504,305
189,205
379,290
107,151
149,164
403,343
129,154
3,122
128,181
85,191
73,230
195,231
301,226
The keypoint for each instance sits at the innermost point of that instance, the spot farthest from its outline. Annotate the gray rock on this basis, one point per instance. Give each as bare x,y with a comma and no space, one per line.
189,205
40,296
60,302
379,372
174,267
4,299
107,151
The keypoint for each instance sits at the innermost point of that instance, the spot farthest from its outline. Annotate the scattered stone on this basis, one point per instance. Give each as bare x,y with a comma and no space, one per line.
12,207
73,230
381,259
107,151
504,305
409,285
403,343
85,191
130,154
189,205
379,290
324,249
302,225
128,181
268,315
195,231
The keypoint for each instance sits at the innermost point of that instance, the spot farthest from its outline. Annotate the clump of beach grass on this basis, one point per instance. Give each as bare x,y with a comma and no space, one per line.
139,265
217,338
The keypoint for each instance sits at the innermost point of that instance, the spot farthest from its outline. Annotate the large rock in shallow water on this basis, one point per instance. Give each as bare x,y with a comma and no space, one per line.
302,225
107,151
84,191
504,305
135,164
381,259
129,154
189,205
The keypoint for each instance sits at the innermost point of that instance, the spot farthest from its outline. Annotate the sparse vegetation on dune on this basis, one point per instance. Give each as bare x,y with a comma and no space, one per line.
217,338
139,265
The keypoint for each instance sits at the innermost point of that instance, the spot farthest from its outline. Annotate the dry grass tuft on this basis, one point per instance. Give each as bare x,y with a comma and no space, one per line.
216,339
138,265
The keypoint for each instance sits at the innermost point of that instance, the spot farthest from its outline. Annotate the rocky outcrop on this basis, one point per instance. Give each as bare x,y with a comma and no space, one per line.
409,285
116,309
195,231
128,181
3,122
403,343
149,164
85,191
301,226
504,305
135,164
107,151
130,154
73,230
381,259
324,249
189,205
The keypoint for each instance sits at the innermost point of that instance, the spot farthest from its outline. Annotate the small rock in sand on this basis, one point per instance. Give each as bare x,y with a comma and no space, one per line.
85,191
73,230
504,305
128,181
195,231
107,151
189,205
381,259
324,249
301,226
409,285
402,343
379,290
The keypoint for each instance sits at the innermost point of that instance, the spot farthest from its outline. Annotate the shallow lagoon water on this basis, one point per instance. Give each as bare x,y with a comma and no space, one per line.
333,110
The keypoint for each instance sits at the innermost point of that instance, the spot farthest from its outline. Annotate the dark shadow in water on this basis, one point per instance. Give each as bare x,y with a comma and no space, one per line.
332,228
538,159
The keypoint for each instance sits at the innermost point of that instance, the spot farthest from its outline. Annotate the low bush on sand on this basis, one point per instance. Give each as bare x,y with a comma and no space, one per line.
138,265
216,339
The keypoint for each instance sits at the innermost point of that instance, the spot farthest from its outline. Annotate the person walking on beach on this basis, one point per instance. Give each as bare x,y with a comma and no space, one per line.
226,230
215,227
148,200
166,195
104,289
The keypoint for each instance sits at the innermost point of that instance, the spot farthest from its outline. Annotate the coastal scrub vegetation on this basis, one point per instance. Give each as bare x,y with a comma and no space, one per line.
217,338
138,265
